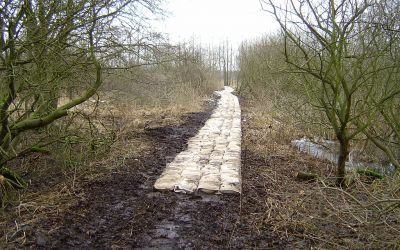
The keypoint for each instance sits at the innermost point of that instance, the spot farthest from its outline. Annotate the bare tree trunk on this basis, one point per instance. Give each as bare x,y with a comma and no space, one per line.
231,69
389,153
343,155
227,63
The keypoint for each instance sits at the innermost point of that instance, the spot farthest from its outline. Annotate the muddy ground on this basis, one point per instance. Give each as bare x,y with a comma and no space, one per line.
118,209
121,210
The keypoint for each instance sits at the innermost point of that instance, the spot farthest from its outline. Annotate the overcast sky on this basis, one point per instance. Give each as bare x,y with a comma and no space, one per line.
212,21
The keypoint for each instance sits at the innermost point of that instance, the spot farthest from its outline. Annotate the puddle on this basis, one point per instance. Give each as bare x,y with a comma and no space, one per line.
166,235
166,229
328,150
170,233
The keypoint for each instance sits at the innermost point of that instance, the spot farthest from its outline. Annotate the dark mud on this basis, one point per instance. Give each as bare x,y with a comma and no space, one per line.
120,209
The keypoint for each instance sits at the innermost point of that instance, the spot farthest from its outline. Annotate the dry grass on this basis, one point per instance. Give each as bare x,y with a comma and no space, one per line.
104,136
312,214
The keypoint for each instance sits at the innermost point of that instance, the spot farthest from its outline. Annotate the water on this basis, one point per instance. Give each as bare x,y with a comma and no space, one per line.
328,150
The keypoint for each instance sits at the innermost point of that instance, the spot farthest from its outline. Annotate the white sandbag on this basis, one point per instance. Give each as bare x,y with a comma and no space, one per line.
211,162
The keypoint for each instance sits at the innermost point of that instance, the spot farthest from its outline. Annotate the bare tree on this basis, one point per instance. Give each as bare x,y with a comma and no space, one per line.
382,30
324,43
225,59
48,48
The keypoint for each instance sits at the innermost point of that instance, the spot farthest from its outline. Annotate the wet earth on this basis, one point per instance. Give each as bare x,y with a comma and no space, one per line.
116,207
121,210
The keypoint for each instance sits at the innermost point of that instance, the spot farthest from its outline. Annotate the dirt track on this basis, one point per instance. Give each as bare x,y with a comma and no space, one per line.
120,209
112,204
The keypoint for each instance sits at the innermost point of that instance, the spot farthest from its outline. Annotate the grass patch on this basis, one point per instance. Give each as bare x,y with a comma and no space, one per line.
310,214
103,137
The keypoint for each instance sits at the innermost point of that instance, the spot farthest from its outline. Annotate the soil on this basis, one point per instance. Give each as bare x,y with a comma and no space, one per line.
119,209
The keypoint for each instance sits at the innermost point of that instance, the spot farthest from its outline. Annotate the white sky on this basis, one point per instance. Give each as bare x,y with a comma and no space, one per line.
213,21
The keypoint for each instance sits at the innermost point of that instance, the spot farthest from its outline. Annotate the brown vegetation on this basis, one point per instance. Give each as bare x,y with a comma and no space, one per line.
310,214
275,210
107,138
89,141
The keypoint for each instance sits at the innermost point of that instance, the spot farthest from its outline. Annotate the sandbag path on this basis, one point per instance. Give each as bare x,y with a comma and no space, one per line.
211,162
